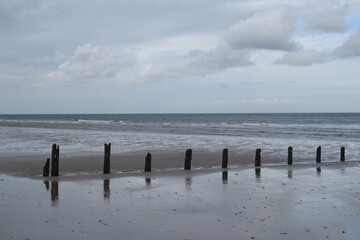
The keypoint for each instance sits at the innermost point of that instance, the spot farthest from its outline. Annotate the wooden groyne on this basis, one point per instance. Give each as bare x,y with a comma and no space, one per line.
53,164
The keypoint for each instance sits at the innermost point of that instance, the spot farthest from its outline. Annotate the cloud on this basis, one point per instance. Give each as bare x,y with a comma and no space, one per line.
270,30
329,19
89,63
220,58
10,8
351,48
302,58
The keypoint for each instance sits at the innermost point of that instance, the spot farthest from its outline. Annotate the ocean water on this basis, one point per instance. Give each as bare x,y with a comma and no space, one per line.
273,133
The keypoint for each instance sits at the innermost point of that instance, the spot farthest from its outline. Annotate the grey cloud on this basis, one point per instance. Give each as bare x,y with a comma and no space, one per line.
270,30
220,58
10,8
351,48
302,58
330,20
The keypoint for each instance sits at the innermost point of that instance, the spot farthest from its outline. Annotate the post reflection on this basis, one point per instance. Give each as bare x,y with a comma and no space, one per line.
47,185
290,173
148,181
106,188
225,177
54,191
258,172
318,171
188,182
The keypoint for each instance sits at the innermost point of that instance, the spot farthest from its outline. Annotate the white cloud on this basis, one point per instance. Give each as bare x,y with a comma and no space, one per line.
89,63
302,58
270,30
351,48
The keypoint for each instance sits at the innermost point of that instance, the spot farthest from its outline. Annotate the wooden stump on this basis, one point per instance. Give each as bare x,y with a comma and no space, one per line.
342,154
224,163
107,150
55,160
290,155
258,158
318,155
148,163
188,156
46,169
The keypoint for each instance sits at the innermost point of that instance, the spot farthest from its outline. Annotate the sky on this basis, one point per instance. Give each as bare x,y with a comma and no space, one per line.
172,56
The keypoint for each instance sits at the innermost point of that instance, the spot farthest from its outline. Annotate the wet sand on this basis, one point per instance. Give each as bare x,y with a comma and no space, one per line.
279,202
303,201
31,165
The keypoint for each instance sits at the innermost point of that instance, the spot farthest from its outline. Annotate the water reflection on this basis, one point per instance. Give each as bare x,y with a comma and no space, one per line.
148,181
47,185
106,188
290,173
318,171
258,172
225,177
54,191
188,183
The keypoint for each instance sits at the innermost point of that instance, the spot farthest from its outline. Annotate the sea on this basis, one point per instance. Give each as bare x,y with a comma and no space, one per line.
81,134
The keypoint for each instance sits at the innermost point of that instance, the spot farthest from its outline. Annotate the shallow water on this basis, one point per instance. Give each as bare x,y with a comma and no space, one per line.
86,134
275,203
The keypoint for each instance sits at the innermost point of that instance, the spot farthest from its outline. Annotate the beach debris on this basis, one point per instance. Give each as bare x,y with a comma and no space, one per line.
148,163
258,158
188,156
318,154
290,155
107,148
55,160
46,169
224,163
342,154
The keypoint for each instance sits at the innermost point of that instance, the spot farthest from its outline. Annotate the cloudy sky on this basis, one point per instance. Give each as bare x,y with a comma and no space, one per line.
161,56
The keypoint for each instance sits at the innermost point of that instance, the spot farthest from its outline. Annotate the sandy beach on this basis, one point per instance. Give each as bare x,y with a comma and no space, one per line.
303,201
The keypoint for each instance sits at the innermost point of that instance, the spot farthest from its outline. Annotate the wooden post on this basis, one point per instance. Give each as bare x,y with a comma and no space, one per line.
318,155
258,158
224,163
148,163
46,169
342,154
188,156
55,160
290,155
107,150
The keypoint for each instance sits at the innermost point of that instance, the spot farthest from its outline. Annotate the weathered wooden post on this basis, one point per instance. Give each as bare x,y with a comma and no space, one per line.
290,155
55,160
342,154
46,169
148,163
188,156
107,150
258,158
224,163
318,155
